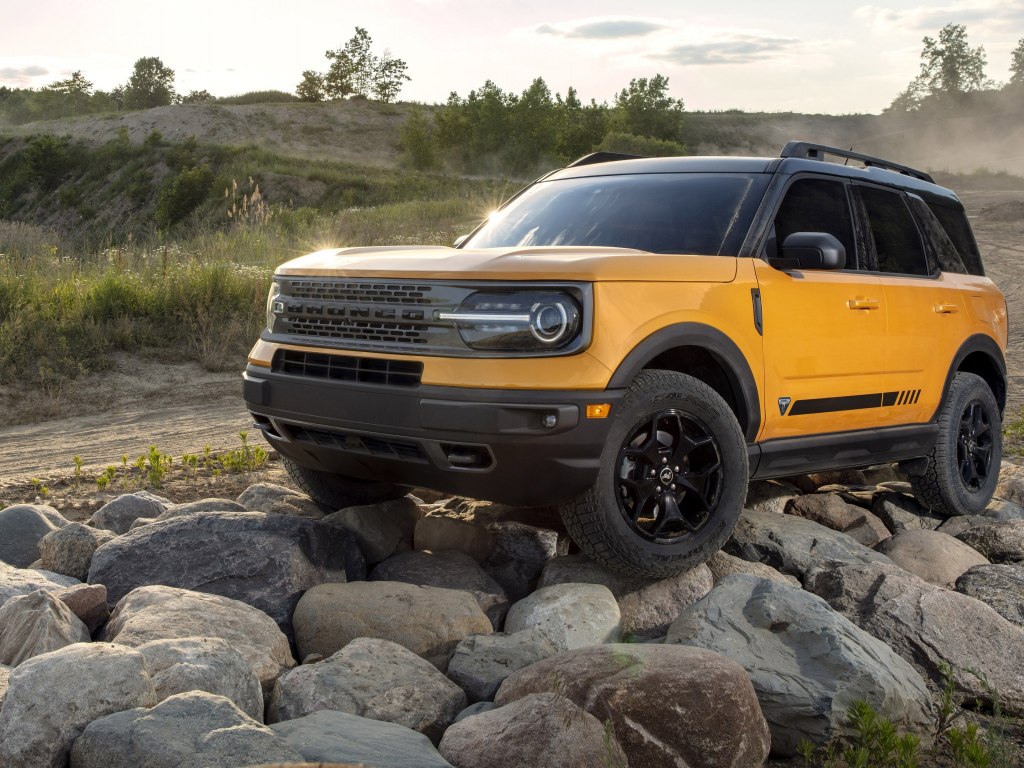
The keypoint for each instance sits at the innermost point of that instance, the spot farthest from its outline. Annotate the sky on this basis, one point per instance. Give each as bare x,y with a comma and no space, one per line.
815,57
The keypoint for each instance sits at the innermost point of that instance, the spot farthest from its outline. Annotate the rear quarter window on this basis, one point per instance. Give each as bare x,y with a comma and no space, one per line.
954,222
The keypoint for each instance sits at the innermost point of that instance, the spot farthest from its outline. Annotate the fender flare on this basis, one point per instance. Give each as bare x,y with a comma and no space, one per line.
719,346
987,346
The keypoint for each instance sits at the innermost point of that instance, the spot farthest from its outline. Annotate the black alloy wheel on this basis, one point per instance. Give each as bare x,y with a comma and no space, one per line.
974,446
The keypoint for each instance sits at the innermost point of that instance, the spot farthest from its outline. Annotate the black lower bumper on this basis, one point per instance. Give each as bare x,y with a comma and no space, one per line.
512,446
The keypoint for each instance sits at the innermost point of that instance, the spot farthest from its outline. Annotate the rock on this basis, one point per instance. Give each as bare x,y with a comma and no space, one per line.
5,673
806,661
165,613
935,557
1011,485
436,534
870,532
34,624
999,586
203,664
191,508
998,509
795,546
802,483
264,560
839,477
52,515
312,658
379,528
82,682
21,581
482,662
570,615
337,737
927,625
827,509
449,569
520,554
957,524
473,709
87,601
428,621
298,506
372,678
769,496
902,513
644,689
647,607
184,731
119,514
531,732
68,550
887,473
21,528
1001,542
721,565
262,496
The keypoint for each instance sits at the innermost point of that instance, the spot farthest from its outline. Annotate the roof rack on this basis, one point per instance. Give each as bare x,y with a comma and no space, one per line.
603,157
818,151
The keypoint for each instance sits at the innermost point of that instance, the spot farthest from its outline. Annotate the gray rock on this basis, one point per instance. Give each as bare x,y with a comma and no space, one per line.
203,664
721,565
87,601
870,532
520,553
52,515
191,508
439,534
69,550
34,624
957,524
262,496
1001,542
769,496
265,560
570,615
927,625
1011,484
21,581
999,586
827,509
795,546
854,477
21,528
184,731
329,736
372,678
82,683
379,528
998,509
5,674
647,607
806,661
119,514
531,732
900,512
481,663
935,557
473,709
163,613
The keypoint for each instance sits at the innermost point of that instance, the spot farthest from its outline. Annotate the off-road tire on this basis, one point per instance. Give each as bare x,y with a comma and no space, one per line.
333,492
940,487
595,520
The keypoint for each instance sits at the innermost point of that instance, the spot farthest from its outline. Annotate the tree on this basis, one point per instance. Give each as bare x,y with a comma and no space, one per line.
351,69
388,75
151,85
949,67
646,109
1017,65
312,86
196,97
581,126
74,85
414,140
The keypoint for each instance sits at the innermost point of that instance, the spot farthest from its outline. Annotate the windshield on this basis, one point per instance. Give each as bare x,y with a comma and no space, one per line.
702,214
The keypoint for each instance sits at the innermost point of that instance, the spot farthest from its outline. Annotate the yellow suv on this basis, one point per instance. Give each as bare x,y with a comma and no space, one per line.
634,339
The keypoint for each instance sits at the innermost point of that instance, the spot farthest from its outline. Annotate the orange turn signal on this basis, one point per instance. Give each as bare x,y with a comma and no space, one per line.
599,411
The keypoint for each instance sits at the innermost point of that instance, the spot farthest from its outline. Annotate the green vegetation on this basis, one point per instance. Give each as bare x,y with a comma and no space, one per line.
258,97
150,85
355,71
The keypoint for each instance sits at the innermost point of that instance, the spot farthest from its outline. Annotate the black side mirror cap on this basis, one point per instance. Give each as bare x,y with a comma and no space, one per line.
810,250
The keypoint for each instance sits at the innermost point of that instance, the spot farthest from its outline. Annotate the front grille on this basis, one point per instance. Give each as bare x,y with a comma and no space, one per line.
368,370
379,293
334,328
374,445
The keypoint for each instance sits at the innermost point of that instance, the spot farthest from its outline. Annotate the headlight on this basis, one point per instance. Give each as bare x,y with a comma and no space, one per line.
516,321
275,291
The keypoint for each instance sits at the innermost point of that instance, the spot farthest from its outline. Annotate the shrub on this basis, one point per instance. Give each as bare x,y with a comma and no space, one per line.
184,155
258,97
153,139
414,140
185,195
48,160
639,145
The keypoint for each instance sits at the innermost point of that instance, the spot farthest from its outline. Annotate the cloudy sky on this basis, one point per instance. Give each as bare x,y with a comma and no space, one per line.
798,55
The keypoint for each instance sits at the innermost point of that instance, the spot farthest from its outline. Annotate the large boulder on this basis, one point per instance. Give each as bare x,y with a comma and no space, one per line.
770,496
449,569
936,557
900,512
329,736
379,528
53,697
669,705
371,678
542,730
190,508
34,624
481,663
1001,542
570,615
21,581
163,613
262,496
184,731
807,662
428,621
827,509
21,528
264,560
69,550
796,546
957,524
998,509
203,664
999,586
119,514
5,674
721,565
87,601
647,606
929,625
439,534
520,553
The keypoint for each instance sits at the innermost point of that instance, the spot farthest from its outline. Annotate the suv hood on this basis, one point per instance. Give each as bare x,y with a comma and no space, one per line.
537,263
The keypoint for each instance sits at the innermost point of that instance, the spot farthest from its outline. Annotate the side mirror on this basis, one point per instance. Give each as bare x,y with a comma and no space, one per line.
810,250
459,241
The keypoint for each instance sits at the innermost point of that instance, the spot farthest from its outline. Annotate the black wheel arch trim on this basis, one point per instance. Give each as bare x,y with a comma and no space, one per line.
719,346
988,347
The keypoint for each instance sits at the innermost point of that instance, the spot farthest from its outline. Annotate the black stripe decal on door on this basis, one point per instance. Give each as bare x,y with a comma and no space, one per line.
854,402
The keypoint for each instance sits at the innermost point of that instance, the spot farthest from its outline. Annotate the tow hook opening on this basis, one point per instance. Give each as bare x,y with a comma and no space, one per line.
467,456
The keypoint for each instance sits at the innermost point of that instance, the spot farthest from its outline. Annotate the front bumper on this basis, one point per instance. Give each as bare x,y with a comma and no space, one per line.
490,444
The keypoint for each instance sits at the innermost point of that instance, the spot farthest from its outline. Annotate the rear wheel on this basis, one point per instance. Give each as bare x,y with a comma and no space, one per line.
672,481
962,470
334,492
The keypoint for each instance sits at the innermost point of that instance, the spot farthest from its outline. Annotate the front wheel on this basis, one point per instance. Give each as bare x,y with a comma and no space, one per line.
334,492
672,482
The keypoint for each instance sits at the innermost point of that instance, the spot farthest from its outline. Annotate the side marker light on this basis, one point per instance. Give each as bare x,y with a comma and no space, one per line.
599,411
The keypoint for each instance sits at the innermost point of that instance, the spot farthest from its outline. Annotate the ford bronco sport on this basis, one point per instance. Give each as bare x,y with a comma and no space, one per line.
634,339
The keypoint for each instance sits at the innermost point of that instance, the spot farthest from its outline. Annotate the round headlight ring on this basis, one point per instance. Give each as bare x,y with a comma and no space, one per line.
546,316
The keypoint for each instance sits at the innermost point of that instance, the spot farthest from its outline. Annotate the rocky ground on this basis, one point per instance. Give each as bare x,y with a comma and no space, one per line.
227,620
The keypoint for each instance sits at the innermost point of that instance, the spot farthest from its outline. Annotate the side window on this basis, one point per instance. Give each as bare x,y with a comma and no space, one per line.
894,244
954,221
940,248
817,205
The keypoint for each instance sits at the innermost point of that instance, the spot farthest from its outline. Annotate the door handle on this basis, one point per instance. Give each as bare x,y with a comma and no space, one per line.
947,309
863,303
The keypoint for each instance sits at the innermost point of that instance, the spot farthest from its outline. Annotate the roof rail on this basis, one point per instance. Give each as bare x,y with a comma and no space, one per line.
818,151
603,157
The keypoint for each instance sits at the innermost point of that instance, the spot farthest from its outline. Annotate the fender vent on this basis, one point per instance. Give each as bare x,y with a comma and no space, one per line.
367,370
